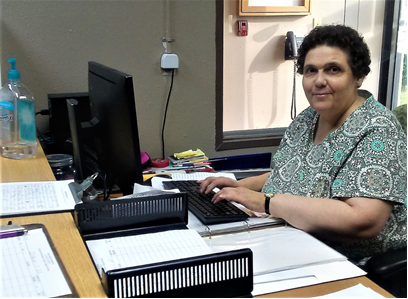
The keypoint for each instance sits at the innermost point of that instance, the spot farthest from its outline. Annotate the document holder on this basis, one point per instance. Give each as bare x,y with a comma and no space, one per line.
222,274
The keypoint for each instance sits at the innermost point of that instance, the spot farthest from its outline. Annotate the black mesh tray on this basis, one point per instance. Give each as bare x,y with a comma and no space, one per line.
224,274
139,212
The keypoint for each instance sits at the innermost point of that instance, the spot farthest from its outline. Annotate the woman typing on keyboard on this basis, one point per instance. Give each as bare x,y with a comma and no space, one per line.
340,170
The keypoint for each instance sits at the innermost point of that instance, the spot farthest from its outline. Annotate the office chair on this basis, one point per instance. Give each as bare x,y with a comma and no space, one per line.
389,270
401,113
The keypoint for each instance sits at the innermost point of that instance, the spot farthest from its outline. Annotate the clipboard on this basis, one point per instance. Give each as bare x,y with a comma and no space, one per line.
40,247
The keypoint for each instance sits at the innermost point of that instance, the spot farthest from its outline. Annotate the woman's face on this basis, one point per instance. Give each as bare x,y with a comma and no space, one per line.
328,81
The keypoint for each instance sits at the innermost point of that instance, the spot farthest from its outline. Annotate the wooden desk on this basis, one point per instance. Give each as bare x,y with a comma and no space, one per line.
75,257
326,288
60,226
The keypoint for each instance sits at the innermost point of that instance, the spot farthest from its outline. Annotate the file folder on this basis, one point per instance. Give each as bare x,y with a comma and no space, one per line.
222,274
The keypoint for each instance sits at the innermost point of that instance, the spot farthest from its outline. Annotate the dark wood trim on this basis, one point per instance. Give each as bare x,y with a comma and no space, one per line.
388,52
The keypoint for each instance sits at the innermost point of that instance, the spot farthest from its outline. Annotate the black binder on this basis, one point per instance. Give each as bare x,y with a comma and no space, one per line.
224,274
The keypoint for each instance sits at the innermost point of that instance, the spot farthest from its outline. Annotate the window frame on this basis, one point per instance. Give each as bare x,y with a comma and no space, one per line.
386,88
241,138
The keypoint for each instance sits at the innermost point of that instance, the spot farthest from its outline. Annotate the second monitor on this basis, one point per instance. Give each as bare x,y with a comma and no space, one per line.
116,134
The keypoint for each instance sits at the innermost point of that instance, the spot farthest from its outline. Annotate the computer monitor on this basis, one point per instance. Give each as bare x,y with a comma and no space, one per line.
116,135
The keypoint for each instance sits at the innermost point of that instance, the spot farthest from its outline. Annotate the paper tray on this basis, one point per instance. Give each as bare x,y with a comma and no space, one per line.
129,213
225,274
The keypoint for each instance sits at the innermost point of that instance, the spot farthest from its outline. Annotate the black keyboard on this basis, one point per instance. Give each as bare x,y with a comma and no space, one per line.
201,206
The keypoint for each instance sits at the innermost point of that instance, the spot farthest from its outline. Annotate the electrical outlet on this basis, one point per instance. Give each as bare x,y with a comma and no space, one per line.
317,22
169,61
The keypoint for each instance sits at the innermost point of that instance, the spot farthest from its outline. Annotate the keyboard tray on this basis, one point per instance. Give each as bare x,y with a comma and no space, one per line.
201,206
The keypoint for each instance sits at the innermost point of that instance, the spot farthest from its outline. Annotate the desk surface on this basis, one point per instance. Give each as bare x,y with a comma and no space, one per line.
73,253
61,226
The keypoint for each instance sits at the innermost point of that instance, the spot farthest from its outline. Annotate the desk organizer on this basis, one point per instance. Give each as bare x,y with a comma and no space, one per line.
223,274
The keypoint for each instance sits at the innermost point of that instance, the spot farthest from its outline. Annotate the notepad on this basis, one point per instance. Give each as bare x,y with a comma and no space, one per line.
26,198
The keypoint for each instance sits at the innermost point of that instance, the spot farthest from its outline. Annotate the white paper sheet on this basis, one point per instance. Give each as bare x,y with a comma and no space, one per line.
277,249
35,197
357,291
304,276
29,268
121,252
201,175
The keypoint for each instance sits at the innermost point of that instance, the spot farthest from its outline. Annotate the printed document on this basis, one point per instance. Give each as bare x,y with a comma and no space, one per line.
29,267
129,251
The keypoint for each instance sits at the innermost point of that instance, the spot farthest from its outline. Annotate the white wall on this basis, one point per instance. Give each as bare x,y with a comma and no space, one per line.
54,40
258,82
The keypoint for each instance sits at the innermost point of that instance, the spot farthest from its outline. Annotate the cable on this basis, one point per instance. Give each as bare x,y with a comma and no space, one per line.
43,112
45,143
165,112
293,107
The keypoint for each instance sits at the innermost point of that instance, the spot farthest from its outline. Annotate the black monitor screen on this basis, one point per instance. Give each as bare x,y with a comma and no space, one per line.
113,110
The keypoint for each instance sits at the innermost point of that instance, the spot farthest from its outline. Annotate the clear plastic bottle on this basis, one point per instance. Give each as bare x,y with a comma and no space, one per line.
18,138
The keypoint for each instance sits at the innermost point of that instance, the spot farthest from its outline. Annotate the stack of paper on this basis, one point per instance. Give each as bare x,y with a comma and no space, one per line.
286,258
189,156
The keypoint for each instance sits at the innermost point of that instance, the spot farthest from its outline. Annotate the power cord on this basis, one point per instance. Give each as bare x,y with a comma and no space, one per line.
165,112
43,112
293,107
44,140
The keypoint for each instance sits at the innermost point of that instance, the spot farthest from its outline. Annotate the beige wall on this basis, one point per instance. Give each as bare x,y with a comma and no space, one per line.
54,39
258,82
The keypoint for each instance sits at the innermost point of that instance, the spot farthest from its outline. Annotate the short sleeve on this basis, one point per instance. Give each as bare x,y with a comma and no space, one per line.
377,167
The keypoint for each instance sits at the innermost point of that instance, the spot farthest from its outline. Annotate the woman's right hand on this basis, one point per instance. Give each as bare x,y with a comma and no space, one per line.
207,185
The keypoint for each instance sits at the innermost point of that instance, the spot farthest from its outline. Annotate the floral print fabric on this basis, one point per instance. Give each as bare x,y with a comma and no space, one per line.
365,157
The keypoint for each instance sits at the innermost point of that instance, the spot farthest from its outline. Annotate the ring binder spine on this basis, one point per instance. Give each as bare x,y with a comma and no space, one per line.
224,274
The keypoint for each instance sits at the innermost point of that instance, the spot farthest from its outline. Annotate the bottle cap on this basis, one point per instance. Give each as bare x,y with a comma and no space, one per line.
60,160
13,74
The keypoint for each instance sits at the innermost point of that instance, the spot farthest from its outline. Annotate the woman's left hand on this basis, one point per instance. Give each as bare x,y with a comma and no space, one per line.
252,200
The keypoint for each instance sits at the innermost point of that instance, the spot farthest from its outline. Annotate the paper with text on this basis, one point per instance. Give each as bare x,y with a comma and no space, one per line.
35,197
29,268
122,252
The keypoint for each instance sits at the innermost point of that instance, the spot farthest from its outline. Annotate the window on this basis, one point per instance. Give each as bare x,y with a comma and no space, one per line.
393,77
250,123
255,85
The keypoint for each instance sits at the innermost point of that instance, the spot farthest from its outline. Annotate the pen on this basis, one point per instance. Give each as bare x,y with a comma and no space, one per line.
8,233
196,164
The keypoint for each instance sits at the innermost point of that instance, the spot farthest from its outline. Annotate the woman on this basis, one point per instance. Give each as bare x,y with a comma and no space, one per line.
340,170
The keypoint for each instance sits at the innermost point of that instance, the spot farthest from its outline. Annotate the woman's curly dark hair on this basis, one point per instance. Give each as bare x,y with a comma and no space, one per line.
342,37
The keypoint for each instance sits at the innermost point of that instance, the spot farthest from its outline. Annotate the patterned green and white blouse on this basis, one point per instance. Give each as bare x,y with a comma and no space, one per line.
365,157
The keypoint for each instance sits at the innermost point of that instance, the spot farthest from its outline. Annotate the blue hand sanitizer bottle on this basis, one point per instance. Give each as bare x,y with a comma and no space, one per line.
18,138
